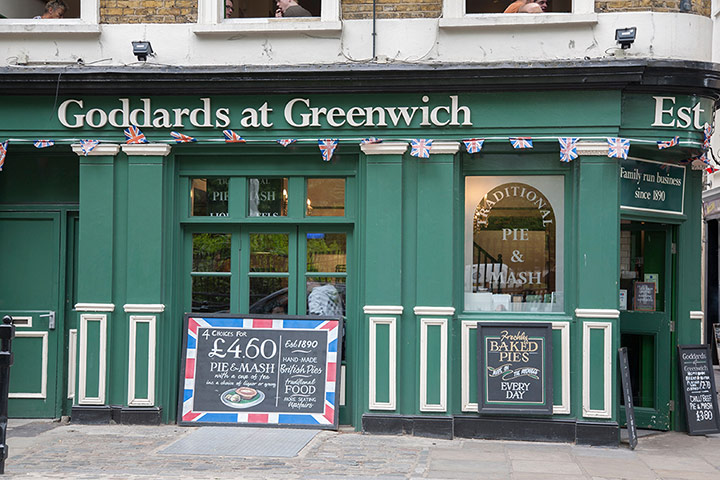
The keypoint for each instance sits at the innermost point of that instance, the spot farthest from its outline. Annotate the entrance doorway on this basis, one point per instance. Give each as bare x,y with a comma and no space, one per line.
646,318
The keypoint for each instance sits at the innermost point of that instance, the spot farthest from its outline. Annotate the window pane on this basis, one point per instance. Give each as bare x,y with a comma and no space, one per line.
211,252
266,8
326,252
642,268
209,197
325,296
268,252
211,294
496,6
269,295
267,197
513,236
325,197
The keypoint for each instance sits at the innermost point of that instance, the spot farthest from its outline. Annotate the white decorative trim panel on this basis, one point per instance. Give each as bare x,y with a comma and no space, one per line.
342,385
697,315
599,149
99,151
597,313
383,310
441,311
465,360
424,324
147,150
95,307
444,147
44,367
385,148
564,407
71,362
144,308
606,327
133,400
391,403
82,371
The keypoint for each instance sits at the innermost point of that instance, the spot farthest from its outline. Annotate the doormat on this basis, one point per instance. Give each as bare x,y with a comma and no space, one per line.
242,442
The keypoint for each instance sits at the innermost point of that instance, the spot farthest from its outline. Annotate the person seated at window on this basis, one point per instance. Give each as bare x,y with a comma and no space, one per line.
524,6
290,8
54,9
543,4
230,9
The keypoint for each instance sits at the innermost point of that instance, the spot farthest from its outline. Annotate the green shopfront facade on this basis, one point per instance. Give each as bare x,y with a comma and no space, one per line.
118,244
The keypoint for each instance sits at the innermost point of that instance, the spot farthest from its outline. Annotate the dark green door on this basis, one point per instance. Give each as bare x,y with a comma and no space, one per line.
646,317
30,283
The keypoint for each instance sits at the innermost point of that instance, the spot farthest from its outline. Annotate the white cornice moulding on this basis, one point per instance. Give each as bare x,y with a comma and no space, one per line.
697,315
387,148
95,307
599,149
147,149
440,311
383,309
440,147
100,150
144,308
597,313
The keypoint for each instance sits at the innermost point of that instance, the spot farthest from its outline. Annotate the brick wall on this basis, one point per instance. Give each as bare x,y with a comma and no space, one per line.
148,11
355,9
699,7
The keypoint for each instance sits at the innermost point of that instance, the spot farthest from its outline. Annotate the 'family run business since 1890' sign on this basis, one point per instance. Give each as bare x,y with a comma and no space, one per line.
260,370
515,368
651,186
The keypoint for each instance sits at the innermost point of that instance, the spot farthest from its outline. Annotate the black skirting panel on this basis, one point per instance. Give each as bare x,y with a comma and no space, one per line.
105,414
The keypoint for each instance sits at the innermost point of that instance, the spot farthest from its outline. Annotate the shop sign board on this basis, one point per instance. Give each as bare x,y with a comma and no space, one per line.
260,370
628,397
698,384
649,186
515,368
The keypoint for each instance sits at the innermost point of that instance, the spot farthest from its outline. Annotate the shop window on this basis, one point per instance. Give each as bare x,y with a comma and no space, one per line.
249,15
325,197
18,16
264,8
499,6
209,197
513,244
467,13
268,197
36,8
326,272
211,272
269,272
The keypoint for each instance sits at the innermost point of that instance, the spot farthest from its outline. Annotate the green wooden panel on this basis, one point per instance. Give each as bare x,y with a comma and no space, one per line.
557,366
434,359
472,365
93,331
54,177
382,363
142,351
597,369
26,372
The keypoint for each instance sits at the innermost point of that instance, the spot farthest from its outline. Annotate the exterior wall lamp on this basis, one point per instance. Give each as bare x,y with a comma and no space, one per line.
625,36
141,50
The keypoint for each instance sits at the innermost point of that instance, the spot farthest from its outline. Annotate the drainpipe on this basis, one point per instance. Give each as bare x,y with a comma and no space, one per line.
374,32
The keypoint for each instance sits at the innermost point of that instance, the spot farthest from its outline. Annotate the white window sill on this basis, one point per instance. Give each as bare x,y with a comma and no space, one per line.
268,25
54,27
519,19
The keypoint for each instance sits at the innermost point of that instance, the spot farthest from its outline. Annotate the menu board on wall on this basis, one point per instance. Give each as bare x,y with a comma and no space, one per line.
515,368
644,297
260,370
698,384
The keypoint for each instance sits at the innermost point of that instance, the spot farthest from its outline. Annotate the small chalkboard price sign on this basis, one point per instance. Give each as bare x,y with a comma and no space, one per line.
628,398
515,368
698,383
644,297
260,370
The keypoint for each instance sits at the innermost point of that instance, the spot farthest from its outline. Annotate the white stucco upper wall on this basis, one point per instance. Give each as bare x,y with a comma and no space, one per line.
488,39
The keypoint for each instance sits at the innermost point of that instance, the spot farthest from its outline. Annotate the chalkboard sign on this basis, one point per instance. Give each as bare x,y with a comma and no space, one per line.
628,397
260,370
515,368
644,299
698,384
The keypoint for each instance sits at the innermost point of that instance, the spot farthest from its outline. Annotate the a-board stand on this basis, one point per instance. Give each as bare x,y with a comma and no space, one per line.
627,396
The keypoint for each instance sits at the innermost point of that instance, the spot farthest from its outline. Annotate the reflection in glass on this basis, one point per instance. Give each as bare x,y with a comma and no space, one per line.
325,296
269,252
326,252
267,197
211,252
269,295
209,197
325,197
210,294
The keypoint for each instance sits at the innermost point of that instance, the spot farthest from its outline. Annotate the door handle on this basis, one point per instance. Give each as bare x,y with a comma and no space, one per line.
51,320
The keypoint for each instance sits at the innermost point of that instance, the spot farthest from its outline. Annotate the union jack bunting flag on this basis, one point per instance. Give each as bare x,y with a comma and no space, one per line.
668,143
43,143
420,147
286,141
618,147
232,137
474,145
3,152
88,146
568,148
521,142
180,138
327,148
134,135
707,133
370,141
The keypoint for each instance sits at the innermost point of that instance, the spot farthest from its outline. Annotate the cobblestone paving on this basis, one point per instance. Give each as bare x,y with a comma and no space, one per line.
42,449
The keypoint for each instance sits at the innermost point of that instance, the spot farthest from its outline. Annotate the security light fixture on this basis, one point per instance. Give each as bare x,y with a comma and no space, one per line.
625,36
141,50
